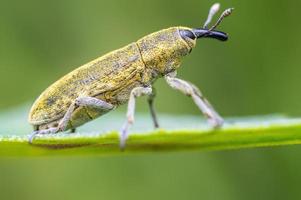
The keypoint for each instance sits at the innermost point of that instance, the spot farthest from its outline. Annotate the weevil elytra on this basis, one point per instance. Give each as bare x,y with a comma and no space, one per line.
120,77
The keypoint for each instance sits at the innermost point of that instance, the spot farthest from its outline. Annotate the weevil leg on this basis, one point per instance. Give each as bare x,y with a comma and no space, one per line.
191,90
32,136
150,100
82,101
136,92
41,132
64,122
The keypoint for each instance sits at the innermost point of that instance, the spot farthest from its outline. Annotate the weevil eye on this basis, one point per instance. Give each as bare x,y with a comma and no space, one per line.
187,33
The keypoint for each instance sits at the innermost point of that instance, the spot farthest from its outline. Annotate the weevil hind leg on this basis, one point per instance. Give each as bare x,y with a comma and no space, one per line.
191,90
32,136
41,132
150,101
136,92
80,101
83,101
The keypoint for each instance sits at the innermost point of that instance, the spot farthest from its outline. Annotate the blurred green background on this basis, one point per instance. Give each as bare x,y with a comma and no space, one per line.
256,72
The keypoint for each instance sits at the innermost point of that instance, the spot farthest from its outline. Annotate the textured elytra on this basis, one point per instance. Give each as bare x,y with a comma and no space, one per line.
103,75
111,78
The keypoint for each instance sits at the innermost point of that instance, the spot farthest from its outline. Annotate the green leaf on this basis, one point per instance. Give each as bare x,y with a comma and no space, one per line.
178,133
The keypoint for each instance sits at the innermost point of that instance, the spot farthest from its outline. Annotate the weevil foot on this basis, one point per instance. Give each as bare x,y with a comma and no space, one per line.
216,122
42,132
32,136
123,136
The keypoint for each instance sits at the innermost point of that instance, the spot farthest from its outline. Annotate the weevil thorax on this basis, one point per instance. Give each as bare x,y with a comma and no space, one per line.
163,51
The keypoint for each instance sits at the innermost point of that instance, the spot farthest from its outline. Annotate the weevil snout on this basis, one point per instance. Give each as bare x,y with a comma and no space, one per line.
203,33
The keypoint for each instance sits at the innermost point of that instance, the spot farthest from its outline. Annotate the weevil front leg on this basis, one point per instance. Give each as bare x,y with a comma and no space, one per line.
80,101
136,92
191,90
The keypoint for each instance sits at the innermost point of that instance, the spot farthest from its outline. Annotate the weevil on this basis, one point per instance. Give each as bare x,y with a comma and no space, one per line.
120,77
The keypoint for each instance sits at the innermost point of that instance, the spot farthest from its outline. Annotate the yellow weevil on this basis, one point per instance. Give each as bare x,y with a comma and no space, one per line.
120,77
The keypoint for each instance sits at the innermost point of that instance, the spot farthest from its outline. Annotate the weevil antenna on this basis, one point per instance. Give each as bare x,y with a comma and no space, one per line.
213,10
226,13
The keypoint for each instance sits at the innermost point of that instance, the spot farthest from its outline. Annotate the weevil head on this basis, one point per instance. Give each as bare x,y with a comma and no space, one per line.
163,51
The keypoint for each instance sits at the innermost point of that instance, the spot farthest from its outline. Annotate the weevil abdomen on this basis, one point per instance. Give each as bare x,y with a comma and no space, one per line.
100,78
